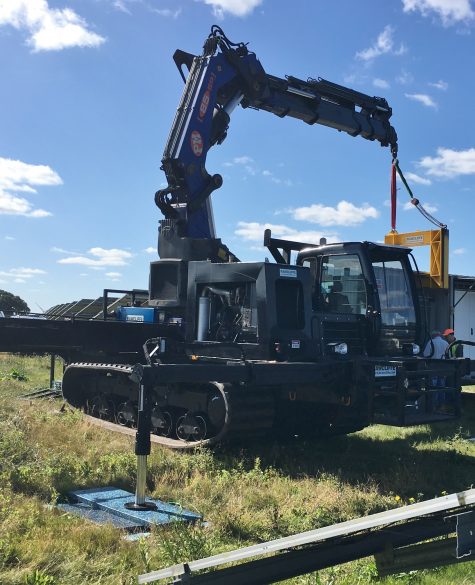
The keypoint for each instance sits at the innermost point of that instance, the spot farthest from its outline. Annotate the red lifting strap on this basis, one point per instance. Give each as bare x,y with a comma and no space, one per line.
393,197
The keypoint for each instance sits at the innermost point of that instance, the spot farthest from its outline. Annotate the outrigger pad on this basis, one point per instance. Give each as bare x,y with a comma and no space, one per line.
106,505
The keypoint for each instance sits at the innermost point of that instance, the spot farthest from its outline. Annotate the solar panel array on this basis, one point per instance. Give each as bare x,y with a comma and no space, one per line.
93,308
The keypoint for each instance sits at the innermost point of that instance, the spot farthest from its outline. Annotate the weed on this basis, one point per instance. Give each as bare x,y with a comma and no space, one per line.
8,553
144,552
410,578
183,542
459,435
39,578
14,375
20,376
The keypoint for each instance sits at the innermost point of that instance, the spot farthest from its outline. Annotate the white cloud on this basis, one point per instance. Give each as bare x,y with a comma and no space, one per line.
442,85
121,6
345,214
11,205
351,79
27,272
10,238
167,13
48,29
115,276
422,98
234,7
151,250
381,83
246,161
39,213
241,160
459,251
254,232
383,45
413,178
99,258
405,78
269,175
408,206
62,251
253,169
20,275
449,11
18,176
450,163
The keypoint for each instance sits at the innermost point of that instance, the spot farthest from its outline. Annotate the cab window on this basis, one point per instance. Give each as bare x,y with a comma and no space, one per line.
342,285
397,306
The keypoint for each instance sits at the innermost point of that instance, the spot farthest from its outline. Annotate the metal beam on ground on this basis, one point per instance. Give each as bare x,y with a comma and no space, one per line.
329,536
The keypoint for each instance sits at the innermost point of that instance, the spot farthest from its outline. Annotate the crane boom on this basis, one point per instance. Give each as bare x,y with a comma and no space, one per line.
227,75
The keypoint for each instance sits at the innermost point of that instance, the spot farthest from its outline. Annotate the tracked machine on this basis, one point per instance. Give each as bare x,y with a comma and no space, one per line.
323,341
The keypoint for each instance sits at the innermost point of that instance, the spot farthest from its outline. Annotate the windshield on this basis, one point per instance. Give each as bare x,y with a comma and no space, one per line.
397,305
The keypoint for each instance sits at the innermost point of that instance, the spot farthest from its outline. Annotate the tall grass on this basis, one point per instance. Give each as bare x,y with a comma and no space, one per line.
247,494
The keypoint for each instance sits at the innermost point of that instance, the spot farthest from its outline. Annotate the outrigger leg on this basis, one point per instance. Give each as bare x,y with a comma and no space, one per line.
142,440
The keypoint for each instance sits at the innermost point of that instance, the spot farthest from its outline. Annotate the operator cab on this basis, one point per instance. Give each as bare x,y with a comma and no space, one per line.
363,295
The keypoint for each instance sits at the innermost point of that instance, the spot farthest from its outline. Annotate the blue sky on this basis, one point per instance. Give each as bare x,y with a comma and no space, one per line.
89,92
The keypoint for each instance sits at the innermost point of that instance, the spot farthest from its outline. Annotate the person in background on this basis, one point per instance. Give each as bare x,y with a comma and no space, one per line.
436,346
457,350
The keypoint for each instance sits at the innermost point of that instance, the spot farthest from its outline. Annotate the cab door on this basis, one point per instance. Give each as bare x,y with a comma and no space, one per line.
340,300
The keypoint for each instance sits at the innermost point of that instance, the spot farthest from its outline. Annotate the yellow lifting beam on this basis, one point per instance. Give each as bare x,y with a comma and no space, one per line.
438,240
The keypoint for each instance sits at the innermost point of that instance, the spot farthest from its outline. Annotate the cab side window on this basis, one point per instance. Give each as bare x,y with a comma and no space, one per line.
342,285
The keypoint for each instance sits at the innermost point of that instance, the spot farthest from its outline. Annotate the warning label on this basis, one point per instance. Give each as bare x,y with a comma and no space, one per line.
415,239
288,273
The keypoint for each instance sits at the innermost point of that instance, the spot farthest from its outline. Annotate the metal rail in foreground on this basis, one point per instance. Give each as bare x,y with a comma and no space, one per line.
339,543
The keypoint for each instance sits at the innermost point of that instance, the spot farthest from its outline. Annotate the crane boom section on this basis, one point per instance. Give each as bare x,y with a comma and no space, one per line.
329,104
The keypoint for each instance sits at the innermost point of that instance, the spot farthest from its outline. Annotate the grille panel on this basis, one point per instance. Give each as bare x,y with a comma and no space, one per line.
351,332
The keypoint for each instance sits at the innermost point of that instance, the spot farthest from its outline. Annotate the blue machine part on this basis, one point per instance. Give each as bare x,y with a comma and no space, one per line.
106,505
138,314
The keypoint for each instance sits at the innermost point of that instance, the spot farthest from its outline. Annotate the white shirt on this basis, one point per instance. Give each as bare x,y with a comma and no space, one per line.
440,345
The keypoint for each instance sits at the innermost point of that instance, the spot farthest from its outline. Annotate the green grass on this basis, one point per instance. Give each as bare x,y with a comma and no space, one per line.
248,494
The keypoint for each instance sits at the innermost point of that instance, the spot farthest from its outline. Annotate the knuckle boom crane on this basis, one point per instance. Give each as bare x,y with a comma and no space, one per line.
238,350
227,75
